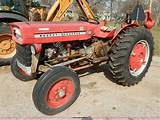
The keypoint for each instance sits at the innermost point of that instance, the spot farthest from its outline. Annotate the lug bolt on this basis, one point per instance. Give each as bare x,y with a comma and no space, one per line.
141,60
135,70
64,88
144,45
59,88
133,54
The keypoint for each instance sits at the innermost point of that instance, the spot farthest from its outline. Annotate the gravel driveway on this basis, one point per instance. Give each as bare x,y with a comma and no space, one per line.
99,97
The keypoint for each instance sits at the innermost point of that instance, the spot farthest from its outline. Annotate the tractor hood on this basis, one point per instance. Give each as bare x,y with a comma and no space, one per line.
47,32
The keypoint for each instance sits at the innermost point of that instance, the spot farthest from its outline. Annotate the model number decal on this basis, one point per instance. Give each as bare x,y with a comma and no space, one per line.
43,29
59,34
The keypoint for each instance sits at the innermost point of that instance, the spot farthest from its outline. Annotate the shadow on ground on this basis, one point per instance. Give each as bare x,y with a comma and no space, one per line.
104,68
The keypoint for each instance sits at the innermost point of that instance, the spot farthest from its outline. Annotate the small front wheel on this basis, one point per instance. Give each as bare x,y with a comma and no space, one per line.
56,90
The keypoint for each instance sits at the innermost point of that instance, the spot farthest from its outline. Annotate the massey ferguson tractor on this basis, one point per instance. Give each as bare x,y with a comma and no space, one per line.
52,52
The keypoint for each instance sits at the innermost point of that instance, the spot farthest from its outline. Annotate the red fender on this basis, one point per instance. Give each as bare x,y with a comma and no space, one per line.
124,27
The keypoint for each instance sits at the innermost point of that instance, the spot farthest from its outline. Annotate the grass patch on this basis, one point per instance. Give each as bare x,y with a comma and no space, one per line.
156,34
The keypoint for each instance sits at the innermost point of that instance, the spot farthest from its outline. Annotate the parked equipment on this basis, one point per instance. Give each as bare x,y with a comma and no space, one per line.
10,11
52,51
15,11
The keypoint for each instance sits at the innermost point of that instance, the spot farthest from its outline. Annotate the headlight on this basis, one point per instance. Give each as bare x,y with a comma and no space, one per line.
17,33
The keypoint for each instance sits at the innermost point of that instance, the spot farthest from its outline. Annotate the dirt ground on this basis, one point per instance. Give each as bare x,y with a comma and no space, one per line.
99,97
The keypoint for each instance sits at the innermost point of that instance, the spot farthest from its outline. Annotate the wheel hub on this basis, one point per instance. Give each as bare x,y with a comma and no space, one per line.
60,93
7,46
139,57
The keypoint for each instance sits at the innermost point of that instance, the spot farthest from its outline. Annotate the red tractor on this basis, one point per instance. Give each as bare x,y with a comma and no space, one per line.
52,52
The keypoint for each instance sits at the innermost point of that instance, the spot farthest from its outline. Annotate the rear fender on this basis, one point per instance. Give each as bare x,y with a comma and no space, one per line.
8,17
124,27
12,17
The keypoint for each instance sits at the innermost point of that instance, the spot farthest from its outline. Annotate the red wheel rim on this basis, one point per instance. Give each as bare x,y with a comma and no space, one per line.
139,58
60,93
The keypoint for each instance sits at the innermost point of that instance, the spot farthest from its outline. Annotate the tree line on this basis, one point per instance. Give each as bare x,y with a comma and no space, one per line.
121,7
117,8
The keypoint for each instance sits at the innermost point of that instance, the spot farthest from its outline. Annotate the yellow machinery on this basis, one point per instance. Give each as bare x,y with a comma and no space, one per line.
58,10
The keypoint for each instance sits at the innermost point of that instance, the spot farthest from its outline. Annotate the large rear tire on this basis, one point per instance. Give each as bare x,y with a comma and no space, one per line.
56,90
131,56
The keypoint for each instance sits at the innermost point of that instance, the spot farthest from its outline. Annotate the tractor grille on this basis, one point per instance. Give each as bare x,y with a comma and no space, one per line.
24,55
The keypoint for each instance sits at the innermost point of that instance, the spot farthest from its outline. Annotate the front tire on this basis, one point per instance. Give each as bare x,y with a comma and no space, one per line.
131,56
18,72
56,90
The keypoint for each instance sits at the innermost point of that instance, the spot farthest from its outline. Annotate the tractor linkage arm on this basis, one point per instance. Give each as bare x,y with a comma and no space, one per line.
60,7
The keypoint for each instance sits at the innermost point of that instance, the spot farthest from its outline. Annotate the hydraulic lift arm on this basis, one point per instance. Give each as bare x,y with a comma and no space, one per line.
84,6
60,7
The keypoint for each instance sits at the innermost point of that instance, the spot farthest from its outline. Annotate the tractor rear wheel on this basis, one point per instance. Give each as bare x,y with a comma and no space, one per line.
7,49
56,90
131,56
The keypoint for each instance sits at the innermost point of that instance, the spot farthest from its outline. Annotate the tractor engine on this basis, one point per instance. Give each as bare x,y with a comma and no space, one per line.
74,54
58,53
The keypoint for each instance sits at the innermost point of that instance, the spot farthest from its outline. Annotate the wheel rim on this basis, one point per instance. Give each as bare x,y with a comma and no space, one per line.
60,93
7,46
139,57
